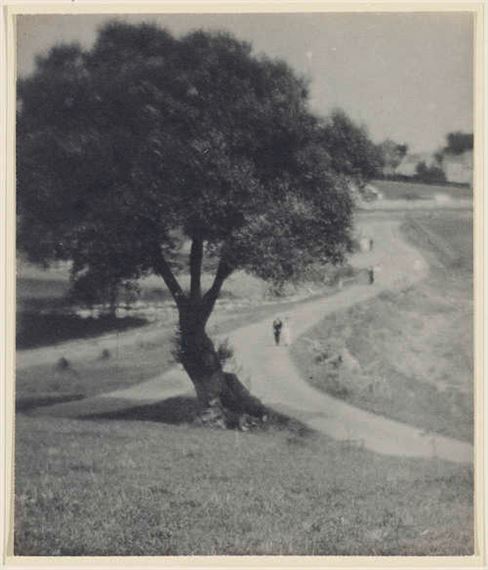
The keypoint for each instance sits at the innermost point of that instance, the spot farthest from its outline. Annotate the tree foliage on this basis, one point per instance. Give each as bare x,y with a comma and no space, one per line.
146,134
392,154
429,174
351,151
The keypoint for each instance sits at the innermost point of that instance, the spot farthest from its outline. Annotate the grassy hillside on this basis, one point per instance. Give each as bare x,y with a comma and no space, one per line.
408,355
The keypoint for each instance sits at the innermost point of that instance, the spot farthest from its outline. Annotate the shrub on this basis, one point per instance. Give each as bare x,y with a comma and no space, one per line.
225,351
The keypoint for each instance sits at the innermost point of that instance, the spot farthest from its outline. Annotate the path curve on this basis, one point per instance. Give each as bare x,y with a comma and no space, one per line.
271,375
277,382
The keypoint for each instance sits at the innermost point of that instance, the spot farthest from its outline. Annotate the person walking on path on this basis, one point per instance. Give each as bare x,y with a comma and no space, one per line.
286,332
371,275
277,326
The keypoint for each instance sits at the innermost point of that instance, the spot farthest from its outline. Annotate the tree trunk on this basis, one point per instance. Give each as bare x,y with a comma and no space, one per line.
223,398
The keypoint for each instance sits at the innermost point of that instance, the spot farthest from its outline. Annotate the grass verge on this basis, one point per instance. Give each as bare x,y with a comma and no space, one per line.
393,190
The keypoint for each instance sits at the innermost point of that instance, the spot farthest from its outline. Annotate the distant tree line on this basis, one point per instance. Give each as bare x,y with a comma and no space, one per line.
392,154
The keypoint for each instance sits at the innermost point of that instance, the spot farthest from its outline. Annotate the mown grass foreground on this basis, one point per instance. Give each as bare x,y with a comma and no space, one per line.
144,488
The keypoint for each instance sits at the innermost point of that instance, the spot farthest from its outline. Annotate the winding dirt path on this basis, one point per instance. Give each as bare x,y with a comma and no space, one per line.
271,375
278,383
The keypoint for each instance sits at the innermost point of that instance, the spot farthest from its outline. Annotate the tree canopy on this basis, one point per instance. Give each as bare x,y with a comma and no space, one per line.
144,134
431,174
351,151
392,155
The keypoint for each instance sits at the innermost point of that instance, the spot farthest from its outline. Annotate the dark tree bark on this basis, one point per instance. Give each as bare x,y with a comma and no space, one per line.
196,258
162,268
215,388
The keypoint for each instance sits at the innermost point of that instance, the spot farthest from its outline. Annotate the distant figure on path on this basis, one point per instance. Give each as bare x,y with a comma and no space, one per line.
286,332
277,326
371,275
371,245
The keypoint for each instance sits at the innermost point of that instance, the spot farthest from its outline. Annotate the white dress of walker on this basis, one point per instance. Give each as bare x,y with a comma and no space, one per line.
286,333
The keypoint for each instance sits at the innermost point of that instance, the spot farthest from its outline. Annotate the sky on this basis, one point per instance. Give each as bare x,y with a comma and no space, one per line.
408,77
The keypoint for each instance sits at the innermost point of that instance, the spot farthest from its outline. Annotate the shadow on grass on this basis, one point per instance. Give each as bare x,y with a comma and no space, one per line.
186,410
26,403
177,410
35,330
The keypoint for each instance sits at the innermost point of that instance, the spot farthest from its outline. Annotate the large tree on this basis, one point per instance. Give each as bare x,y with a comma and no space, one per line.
145,135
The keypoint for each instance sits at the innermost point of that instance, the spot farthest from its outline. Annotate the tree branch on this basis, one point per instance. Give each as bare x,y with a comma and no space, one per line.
196,257
163,269
223,271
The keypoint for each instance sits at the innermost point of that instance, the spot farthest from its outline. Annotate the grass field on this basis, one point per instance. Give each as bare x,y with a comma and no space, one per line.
408,355
415,191
145,488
